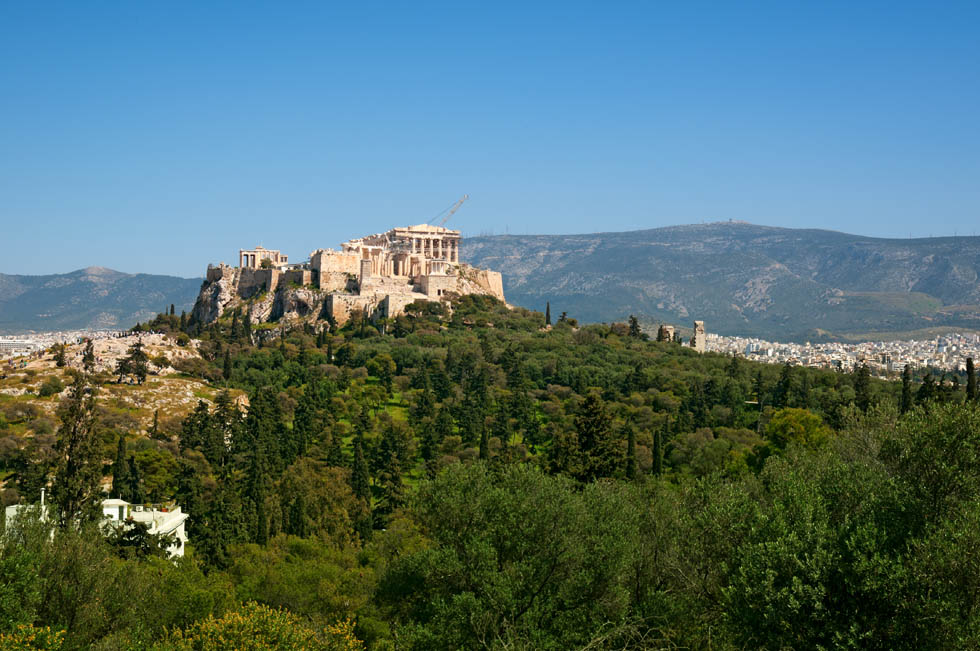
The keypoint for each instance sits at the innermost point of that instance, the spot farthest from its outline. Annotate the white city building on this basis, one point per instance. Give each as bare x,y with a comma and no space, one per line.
160,521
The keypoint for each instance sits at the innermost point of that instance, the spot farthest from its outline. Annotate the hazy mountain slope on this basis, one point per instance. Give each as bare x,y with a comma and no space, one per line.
89,298
742,278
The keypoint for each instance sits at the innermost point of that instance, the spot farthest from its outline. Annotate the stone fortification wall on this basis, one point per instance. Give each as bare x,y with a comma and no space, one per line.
435,287
336,281
326,260
256,281
297,277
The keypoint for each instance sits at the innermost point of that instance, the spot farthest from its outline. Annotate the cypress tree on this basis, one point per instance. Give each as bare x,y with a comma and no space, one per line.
361,488
971,380
547,313
76,484
862,388
248,328
335,453
359,474
88,359
136,495
171,309
630,453
183,320
120,471
484,445
226,371
658,448
906,403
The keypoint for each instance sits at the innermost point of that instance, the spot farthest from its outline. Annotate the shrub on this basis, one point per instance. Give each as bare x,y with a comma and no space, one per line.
51,386
255,626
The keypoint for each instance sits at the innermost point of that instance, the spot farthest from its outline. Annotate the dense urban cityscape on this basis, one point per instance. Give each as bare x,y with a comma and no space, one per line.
884,358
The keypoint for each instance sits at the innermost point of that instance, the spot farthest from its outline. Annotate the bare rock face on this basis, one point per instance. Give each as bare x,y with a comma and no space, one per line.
219,291
296,304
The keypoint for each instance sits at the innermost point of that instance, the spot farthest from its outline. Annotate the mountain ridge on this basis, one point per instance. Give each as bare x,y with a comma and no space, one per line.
90,298
743,278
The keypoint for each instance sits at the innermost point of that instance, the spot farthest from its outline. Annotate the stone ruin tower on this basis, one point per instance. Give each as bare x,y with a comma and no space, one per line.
698,339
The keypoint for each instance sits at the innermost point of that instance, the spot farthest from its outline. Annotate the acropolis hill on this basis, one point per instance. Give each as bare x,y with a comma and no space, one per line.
379,274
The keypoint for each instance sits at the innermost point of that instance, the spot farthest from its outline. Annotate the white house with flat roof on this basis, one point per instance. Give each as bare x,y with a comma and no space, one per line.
160,520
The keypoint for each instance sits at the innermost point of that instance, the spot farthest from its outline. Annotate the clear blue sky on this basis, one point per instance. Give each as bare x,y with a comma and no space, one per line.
158,137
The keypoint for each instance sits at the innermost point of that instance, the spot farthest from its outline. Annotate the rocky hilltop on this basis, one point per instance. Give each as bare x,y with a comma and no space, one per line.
94,298
744,279
378,275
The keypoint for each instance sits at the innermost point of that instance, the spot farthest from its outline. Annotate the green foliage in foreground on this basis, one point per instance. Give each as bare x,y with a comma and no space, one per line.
472,480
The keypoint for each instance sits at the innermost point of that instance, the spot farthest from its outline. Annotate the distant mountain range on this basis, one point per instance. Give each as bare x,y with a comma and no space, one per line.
743,279
92,298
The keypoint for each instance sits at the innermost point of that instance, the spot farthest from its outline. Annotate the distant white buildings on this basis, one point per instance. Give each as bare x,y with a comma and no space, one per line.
947,352
161,521
10,347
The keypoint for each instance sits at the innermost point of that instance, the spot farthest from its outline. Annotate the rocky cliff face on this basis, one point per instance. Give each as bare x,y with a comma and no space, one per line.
269,295
744,279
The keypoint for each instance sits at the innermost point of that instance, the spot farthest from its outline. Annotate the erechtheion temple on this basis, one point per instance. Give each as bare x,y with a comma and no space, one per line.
379,274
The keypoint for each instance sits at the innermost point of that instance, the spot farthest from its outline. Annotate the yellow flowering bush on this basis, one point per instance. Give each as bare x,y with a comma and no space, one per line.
30,638
255,627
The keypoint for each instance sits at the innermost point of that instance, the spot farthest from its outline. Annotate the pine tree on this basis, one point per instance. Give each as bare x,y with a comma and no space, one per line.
120,472
60,358
927,390
547,313
971,380
392,493
635,331
906,403
135,363
600,453
76,483
733,367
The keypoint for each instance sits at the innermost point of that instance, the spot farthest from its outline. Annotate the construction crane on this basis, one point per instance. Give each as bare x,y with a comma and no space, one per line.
451,211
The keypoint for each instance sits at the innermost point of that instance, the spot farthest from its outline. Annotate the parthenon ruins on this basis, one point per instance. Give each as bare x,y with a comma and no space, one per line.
379,274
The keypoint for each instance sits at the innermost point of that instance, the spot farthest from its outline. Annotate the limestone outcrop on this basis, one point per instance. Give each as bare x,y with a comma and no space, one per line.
379,275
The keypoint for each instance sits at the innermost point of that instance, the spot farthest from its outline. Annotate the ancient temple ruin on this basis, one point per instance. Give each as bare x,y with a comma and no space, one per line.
378,274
